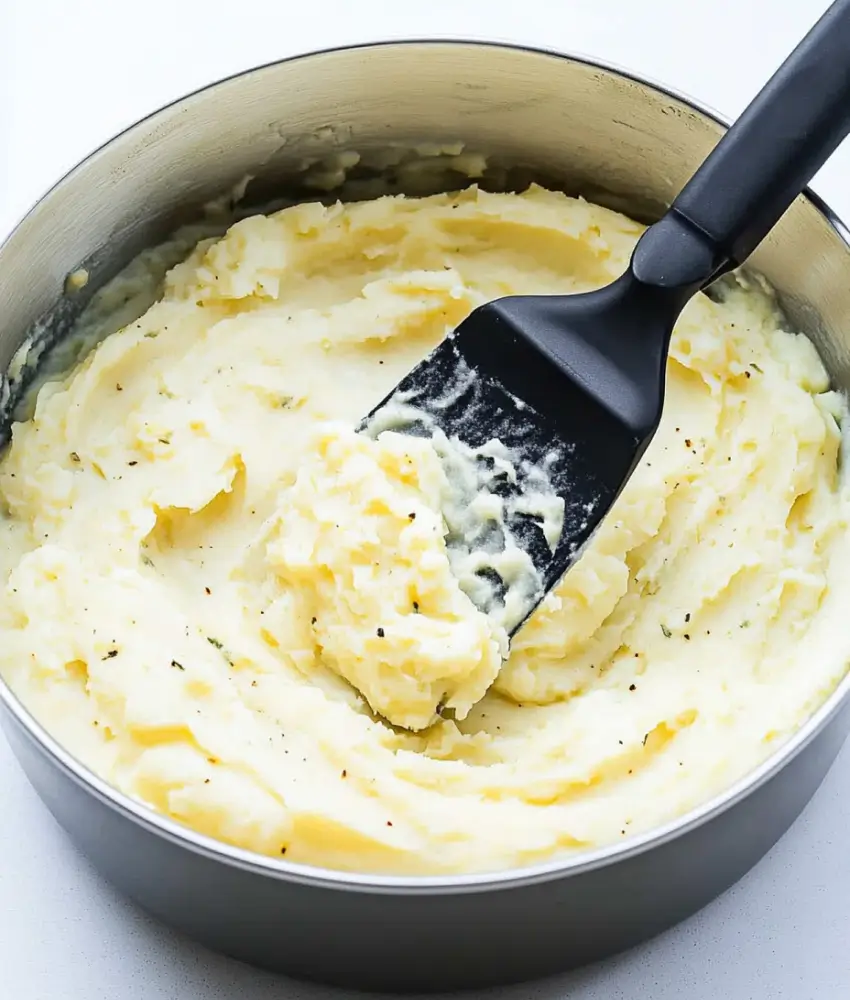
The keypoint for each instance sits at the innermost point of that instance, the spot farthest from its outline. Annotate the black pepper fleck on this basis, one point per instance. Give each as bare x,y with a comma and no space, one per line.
380,633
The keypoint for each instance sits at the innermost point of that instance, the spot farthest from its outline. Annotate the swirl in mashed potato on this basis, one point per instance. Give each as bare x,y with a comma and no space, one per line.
203,567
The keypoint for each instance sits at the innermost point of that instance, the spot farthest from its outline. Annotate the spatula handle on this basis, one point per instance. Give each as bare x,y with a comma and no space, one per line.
765,159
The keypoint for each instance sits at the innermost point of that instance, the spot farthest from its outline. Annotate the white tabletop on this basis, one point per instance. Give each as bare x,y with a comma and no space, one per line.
73,74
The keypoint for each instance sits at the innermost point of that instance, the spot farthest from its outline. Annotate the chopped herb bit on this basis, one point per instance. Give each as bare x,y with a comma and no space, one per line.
207,591
688,617
165,440
147,561
380,633
253,684
134,462
211,760
313,621
645,738
687,636
748,374
632,687
151,334
206,781
75,457
215,642
666,631
756,368
745,623
119,387
179,666
110,653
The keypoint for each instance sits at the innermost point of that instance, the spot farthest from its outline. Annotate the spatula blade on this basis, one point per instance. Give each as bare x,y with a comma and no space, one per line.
487,382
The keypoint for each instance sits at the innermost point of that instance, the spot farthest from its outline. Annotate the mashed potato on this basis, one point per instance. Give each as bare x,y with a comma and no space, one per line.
194,606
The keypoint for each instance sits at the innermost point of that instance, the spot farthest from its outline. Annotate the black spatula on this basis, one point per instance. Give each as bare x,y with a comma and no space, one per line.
574,385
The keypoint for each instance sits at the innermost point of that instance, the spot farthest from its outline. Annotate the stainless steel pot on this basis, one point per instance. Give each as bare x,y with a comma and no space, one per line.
593,130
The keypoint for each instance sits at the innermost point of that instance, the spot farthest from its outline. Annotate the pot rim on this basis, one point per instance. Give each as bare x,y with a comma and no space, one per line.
287,871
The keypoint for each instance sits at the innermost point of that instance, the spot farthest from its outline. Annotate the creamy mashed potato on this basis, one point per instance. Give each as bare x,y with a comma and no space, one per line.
358,546
181,610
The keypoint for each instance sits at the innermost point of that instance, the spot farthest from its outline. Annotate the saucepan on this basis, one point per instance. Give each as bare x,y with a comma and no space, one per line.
317,126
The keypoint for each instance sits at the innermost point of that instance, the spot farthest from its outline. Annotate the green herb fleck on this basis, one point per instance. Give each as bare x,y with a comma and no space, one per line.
110,653
147,561
152,334
215,642
745,623
179,666
666,631
75,457
756,368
